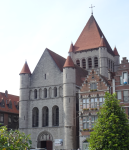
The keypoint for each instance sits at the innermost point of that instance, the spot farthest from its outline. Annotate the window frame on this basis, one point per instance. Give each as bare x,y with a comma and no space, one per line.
2,115
86,122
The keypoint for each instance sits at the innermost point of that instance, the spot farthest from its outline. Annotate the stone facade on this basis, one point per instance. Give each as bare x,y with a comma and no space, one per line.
61,98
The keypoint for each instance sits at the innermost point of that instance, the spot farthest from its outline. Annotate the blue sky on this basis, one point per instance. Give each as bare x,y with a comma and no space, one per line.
27,27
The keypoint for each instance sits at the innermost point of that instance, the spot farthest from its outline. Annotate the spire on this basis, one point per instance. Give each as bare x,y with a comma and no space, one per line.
69,63
102,42
71,48
116,52
25,69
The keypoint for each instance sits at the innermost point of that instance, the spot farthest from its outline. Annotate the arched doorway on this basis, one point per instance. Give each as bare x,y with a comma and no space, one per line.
85,145
45,140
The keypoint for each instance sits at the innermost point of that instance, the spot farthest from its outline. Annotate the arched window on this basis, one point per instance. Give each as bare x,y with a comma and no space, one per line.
45,93
89,62
31,97
55,91
61,91
55,116
45,115
83,63
35,94
40,93
35,117
50,92
95,62
78,62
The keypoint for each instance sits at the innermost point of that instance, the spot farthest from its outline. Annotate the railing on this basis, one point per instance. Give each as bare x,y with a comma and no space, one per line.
126,98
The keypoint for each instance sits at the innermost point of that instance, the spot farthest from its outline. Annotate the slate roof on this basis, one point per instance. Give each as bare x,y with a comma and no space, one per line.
25,69
90,37
13,98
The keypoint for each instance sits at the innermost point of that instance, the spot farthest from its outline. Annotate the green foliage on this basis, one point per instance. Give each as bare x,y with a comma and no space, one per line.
13,140
111,131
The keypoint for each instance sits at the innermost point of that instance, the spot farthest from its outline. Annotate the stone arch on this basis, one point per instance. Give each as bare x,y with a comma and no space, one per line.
44,136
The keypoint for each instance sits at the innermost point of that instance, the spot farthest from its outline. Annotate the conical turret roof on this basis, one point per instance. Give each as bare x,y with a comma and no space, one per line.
116,52
69,63
25,69
90,37
71,48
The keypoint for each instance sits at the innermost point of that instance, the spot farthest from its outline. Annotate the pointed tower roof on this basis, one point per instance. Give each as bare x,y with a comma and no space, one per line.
25,69
116,52
102,42
71,48
90,37
69,63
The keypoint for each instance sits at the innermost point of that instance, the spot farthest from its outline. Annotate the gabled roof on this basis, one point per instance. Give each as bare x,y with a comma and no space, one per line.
69,62
59,60
9,98
90,37
71,48
116,52
25,69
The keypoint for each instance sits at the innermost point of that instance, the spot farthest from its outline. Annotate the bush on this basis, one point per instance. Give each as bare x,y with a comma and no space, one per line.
14,140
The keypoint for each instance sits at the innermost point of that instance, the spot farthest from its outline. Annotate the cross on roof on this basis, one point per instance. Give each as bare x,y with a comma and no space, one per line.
91,9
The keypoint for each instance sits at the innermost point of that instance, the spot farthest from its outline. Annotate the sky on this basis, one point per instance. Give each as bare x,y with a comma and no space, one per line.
27,27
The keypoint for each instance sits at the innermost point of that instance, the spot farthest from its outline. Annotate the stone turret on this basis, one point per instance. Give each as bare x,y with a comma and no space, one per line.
102,58
69,103
24,96
117,59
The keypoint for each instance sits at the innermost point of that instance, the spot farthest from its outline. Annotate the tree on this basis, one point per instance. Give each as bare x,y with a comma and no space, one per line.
13,140
111,131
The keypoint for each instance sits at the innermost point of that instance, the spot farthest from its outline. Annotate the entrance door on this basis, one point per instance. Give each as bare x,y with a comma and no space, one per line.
85,145
46,144
43,144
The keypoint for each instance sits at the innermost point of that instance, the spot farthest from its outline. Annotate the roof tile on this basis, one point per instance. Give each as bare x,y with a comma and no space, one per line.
69,62
90,37
25,69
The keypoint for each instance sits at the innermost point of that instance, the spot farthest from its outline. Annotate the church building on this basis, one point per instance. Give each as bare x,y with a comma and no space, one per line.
60,98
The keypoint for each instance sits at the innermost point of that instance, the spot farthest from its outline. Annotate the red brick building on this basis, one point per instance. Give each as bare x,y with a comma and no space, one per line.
122,84
9,110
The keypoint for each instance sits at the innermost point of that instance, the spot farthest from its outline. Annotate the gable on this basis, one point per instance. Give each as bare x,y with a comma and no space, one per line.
93,77
47,72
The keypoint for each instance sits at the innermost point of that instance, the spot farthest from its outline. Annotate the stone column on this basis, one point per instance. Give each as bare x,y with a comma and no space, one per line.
40,118
50,117
58,89
37,93
47,92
